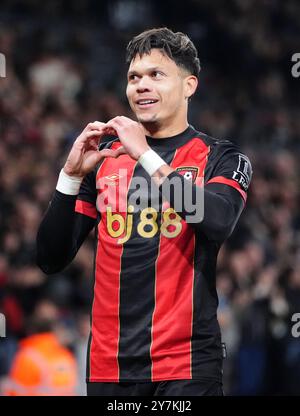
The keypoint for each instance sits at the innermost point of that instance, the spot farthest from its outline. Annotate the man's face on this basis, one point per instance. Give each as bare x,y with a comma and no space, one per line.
156,89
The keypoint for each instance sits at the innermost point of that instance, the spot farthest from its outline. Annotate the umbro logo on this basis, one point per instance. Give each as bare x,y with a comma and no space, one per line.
113,177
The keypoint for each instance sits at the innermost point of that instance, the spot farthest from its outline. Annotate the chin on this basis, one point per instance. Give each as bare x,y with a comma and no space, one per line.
147,118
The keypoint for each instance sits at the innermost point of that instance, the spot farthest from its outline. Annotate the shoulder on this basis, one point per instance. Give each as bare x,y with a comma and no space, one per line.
227,160
218,148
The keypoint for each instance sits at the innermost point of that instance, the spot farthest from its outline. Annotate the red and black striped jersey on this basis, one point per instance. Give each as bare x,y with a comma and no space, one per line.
154,312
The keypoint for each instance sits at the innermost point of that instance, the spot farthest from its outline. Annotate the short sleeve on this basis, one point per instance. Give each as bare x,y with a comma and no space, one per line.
231,167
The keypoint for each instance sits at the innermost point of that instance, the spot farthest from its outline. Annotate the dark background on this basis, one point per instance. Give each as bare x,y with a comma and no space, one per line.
65,68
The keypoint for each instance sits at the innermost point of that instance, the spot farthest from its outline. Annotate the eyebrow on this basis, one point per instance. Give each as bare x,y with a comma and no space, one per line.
151,69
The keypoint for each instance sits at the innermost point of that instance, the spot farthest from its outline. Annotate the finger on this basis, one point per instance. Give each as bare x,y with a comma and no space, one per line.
96,125
98,156
89,141
114,126
112,153
93,144
86,137
114,122
89,137
108,153
94,133
116,119
120,151
122,120
110,131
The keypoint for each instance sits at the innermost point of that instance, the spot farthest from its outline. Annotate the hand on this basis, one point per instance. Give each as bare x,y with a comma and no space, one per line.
131,135
84,154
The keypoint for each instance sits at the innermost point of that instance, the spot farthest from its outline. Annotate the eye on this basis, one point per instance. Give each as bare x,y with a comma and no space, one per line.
132,77
157,74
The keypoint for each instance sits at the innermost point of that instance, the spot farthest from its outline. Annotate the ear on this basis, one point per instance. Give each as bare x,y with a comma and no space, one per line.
190,85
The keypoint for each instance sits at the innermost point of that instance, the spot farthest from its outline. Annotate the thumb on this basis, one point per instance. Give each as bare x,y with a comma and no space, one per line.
120,151
111,152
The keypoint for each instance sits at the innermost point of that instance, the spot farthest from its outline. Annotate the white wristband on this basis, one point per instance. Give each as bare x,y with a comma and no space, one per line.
151,162
68,185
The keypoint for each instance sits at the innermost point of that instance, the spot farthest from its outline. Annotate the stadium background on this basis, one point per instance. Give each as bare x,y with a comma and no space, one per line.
64,68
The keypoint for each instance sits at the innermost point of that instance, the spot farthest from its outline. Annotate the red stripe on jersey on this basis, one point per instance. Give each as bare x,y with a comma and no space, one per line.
104,364
230,182
172,320
86,208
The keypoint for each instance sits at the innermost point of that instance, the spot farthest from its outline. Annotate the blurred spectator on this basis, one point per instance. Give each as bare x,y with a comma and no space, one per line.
42,366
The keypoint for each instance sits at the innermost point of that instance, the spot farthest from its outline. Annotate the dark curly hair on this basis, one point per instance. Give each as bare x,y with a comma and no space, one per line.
177,46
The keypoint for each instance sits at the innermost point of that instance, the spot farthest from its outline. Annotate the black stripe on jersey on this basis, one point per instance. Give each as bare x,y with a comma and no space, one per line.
137,291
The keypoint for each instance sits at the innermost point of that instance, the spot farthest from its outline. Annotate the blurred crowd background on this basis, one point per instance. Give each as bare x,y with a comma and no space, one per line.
65,67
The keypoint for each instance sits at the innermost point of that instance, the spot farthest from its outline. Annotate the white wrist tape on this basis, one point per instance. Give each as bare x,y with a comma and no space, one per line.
151,162
68,185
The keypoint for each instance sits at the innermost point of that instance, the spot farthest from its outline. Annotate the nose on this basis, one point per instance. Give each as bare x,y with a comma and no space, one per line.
143,85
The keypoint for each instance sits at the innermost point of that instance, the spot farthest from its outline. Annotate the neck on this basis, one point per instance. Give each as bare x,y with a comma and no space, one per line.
158,131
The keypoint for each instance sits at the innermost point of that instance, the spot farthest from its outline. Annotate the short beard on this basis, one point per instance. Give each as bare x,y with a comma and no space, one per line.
152,126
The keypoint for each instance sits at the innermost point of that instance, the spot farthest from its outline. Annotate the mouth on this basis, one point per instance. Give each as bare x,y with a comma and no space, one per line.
146,103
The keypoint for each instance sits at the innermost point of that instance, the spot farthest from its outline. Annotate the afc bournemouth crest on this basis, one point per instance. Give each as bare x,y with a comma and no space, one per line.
188,172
